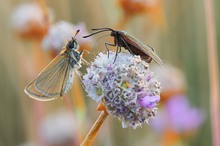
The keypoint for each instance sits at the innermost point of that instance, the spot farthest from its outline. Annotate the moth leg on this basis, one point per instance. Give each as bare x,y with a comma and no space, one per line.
85,62
81,52
128,48
117,51
109,44
87,52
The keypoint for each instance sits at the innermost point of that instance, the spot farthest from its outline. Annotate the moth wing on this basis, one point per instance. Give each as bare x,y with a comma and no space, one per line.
146,49
33,93
52,80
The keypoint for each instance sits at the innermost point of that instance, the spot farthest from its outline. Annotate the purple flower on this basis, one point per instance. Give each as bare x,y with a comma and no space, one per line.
178,115
149,101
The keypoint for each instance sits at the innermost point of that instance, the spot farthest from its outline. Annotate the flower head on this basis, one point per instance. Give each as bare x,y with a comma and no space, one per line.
136,6
62,31
28,20
127,88
152,7
58,128
178,115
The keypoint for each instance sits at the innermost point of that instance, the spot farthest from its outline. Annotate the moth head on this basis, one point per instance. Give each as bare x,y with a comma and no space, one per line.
73,44
115,34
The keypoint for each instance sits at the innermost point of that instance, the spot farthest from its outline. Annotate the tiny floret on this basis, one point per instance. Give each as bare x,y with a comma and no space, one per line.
127,88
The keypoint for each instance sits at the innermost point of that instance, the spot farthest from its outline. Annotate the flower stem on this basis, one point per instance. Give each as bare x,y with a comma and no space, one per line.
37,106
213,72
77,93
43,5
94,130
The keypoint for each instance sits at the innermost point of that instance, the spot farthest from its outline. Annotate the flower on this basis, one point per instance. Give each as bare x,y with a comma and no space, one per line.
62,31
133,7
154,8
58,128
28,20
58,35
178,115
126,87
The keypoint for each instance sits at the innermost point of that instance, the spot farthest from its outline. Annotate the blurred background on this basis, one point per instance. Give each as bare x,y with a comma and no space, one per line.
33,31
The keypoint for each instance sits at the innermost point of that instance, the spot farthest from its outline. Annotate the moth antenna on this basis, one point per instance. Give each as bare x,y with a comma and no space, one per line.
96,33
76,33
102,29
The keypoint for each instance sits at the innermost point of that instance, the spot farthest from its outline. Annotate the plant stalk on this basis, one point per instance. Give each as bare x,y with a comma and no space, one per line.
94,130
213,72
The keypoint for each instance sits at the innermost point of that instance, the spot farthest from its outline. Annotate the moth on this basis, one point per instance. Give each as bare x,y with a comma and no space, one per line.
56,79
130,43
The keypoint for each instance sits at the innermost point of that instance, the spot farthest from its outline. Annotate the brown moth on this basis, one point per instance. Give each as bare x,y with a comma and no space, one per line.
130,43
